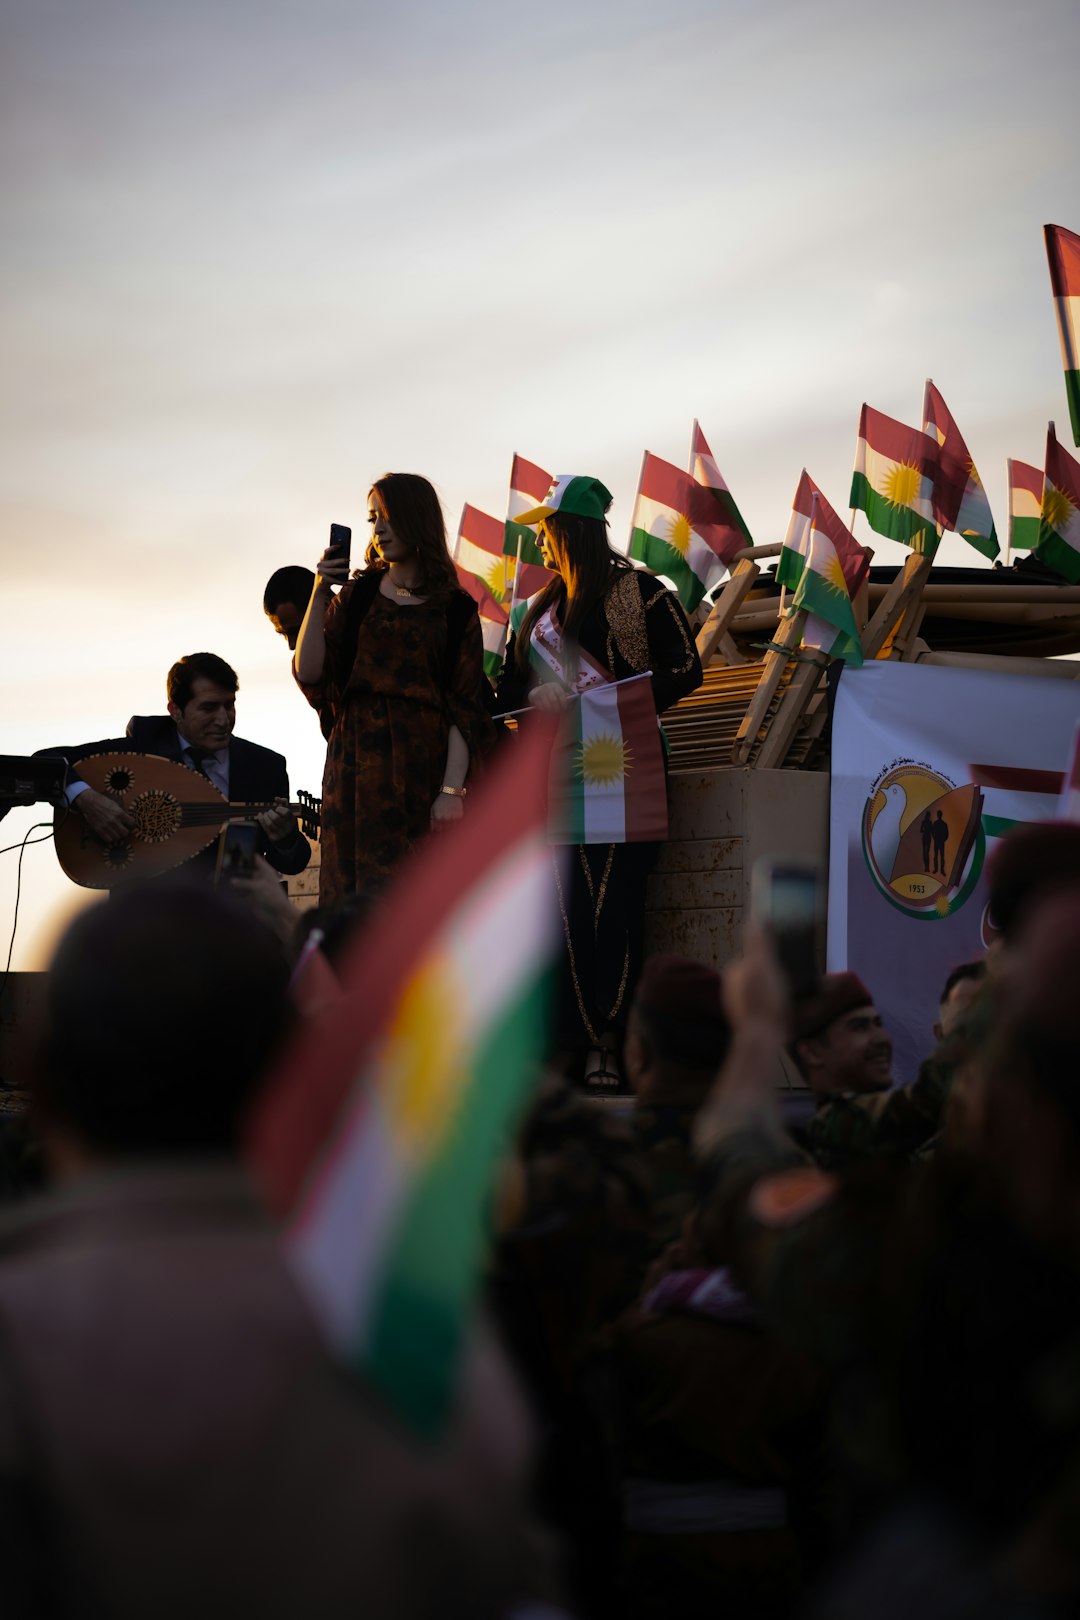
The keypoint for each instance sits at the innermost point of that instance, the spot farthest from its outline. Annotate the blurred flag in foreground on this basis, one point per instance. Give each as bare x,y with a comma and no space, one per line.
1025,504
1059,522
378,1138
1069,808
680,529
959,500
823,565
1063,251
893,481
528,486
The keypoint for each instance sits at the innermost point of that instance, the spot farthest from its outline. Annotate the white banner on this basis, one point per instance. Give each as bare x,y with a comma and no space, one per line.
930,766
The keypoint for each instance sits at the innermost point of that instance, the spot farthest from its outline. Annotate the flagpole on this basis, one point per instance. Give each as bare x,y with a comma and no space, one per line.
517,576
607,686
1009,496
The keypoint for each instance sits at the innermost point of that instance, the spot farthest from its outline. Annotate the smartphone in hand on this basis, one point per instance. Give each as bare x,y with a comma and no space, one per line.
340,542
788,898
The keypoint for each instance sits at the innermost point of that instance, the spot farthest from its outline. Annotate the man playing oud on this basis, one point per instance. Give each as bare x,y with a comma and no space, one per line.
198,732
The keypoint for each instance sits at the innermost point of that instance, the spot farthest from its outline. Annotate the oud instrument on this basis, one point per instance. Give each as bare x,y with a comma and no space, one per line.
177,813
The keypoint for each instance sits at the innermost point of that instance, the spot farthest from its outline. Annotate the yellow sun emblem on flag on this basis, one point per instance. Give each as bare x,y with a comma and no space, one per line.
602,759
902,483
679,534
422,1073
833,575
495,579
1057,508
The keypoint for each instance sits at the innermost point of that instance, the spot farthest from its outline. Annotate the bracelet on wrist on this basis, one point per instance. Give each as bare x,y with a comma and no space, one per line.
454,792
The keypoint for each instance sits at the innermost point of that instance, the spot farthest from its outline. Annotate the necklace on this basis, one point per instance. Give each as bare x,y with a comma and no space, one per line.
402,590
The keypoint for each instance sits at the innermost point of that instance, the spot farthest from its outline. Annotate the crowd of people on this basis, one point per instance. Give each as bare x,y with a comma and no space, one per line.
740,1350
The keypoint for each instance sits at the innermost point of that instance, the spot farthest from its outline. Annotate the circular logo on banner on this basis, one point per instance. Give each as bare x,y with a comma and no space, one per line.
923,839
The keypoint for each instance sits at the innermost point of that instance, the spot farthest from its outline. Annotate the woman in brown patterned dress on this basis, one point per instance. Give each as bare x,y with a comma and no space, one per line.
394,665
599,617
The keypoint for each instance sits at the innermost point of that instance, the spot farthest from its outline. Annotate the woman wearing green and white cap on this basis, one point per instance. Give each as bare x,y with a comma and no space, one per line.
599,620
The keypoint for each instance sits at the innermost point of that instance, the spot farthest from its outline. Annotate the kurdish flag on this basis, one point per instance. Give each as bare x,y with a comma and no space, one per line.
493,620
959,500
853,558
893,481
704,471
1063,251
377,1139
608,784
1025,504
681,529
822,589
528,486
1059,521
478,550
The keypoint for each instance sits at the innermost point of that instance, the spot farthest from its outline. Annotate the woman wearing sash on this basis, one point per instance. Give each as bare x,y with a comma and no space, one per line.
394,665
600,620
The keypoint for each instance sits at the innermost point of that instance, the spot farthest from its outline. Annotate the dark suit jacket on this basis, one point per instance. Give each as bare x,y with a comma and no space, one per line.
255,774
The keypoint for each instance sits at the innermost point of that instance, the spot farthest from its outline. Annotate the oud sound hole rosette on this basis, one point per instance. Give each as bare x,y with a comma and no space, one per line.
119,779
156,815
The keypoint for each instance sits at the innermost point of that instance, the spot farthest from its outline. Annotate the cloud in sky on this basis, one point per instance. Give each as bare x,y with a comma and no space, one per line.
256,254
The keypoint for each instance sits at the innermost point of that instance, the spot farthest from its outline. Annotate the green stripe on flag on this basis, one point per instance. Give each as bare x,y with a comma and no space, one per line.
663,558
987,544
493,663
1060,556
789,570
530,550
1072,390
1025,533
433,1259
898,522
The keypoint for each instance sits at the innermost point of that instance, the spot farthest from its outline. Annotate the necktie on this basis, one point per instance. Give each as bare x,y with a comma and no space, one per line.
196,758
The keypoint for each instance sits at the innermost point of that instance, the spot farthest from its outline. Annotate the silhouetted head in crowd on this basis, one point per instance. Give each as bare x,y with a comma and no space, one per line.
960,990
838,1039
1030,864
285,600
677,1033
165,1006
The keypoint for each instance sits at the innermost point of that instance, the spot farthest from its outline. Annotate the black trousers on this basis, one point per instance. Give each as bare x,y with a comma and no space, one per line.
602,904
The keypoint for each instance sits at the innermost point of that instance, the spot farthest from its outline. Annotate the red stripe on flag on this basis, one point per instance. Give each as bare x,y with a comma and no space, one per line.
953,460
1017,778
299,1108
1022,475
897,441
1063,252
529,479
532,578
1062,471
485,602
484,531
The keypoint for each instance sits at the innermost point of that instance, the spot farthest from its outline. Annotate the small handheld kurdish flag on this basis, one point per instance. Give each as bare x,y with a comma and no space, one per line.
704,470
478,549
1059,523
854,559
822,590
1063,251
681,529
959,500
528,486
494,620
1025,504
607,784
893,481
377,1140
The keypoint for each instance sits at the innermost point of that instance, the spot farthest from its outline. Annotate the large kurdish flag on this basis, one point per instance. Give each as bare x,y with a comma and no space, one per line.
478,549
528,486
681,529
493,620
378,1138
1063,251
959,500
893,481
704,470
1025,504
1059,525
608,783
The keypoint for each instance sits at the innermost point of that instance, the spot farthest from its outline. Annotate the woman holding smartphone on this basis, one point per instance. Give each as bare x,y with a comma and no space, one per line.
394,665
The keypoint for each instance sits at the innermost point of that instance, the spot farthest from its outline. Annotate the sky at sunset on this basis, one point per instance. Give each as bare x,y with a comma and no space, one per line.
256,254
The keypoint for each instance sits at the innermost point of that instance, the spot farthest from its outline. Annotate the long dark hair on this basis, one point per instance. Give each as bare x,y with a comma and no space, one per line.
411,507
582,554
